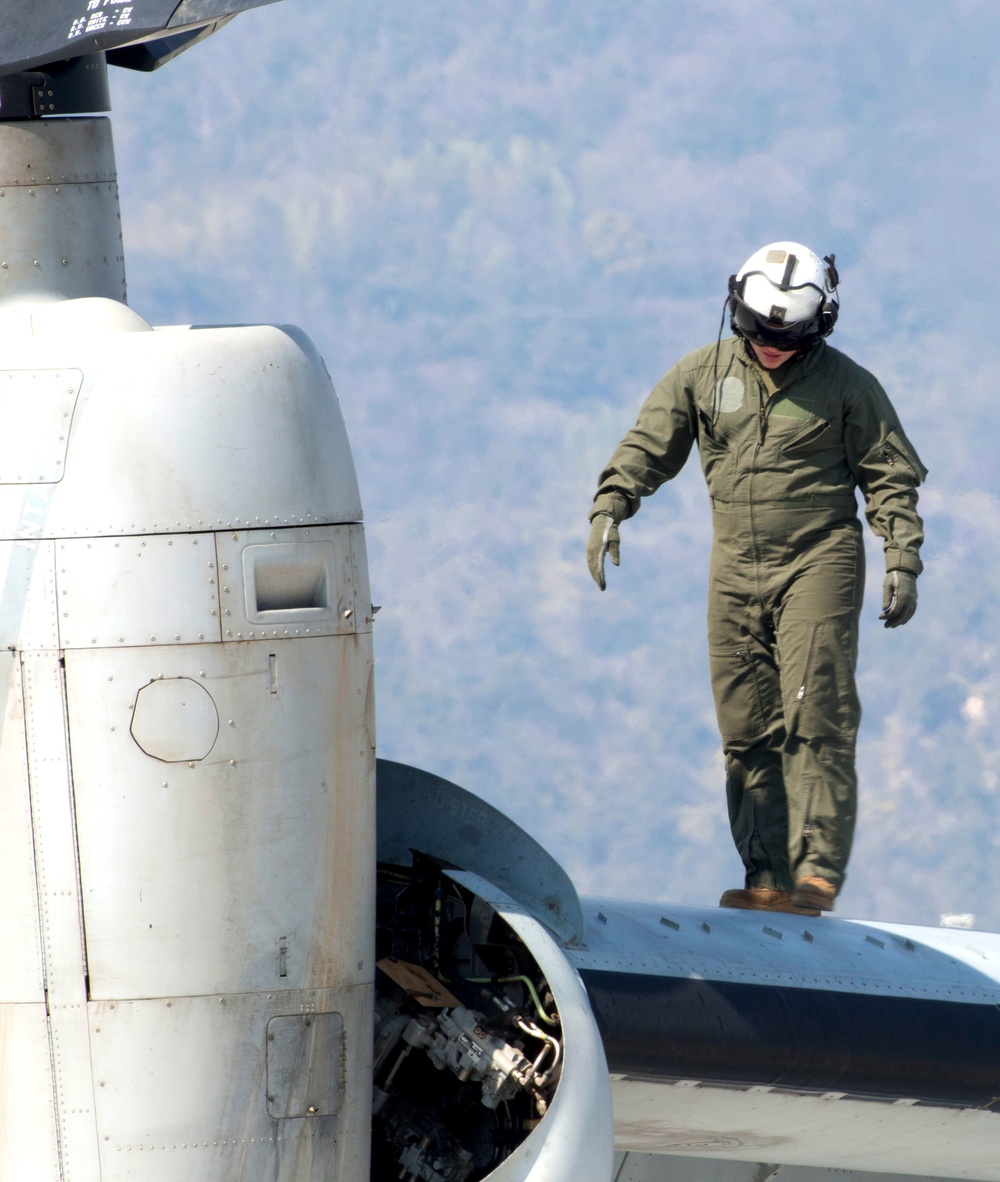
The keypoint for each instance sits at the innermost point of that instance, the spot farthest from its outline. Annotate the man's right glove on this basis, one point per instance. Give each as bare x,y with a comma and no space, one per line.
899,598
604,539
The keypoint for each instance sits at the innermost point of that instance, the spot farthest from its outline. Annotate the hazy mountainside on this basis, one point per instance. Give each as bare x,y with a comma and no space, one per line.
501,223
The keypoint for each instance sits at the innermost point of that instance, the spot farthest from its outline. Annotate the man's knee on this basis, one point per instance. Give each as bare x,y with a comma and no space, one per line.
821,698
747,696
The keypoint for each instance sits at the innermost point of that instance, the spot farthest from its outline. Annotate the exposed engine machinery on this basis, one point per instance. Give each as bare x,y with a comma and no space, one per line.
468,1041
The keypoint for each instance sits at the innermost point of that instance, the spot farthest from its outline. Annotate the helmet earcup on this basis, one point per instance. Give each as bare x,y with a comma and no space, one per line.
831,305
731,301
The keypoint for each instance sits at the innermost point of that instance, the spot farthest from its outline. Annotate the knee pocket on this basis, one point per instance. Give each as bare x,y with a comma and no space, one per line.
744,692
822,700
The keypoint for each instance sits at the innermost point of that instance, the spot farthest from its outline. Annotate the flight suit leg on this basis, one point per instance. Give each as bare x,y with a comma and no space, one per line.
817,645
747,690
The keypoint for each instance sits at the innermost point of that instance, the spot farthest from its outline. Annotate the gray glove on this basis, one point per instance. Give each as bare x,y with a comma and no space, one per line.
899,598
604,539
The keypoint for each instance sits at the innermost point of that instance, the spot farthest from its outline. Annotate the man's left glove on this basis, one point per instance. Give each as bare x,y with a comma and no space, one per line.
899,598
604,539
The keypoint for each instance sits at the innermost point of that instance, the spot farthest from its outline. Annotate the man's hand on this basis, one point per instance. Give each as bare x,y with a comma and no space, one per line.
899,598
604,539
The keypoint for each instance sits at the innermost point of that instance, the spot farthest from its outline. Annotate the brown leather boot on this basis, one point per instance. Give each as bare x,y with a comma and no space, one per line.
814,892
763,899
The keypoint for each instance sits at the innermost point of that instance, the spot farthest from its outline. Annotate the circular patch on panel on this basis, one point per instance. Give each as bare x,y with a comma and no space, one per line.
175,720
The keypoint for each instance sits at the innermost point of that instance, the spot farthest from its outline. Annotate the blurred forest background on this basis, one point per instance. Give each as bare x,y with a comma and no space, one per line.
501,223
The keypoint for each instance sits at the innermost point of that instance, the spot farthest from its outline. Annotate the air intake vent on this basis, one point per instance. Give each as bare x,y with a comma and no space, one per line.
290,580
286,586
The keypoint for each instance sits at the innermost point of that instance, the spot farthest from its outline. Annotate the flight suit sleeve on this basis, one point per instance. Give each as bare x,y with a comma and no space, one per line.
888,471
653,451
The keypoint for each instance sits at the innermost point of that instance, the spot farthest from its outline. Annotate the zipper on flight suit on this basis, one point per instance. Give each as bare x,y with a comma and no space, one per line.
808,828
763,405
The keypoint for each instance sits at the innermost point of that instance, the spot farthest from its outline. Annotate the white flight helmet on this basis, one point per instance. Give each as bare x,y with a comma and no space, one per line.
784,296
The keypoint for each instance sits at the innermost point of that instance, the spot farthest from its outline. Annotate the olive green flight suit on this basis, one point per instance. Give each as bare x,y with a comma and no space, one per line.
782,453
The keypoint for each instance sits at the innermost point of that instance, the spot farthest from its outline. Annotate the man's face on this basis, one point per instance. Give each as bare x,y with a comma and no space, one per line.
769,357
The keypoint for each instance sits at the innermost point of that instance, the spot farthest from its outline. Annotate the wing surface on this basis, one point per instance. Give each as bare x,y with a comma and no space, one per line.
775,1038
56,30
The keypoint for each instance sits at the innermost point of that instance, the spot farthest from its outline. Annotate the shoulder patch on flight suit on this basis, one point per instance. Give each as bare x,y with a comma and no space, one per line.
729,394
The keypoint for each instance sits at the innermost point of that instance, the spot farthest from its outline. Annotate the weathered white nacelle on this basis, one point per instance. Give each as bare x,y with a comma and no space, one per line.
188,749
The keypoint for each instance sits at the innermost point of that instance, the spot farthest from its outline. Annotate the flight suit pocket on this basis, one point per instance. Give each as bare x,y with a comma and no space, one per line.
825,702
709,434
896,454
812,437
716,458
739,695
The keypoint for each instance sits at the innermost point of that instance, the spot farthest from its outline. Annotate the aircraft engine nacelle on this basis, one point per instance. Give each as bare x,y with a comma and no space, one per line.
488,1061
187,757
187,746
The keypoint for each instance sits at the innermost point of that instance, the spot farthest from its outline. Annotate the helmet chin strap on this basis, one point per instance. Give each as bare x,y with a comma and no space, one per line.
716,395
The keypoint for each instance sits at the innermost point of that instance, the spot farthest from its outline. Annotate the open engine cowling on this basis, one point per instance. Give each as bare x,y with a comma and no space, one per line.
488,1061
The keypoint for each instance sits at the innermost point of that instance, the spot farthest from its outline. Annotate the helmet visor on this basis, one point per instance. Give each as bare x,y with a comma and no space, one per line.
760,330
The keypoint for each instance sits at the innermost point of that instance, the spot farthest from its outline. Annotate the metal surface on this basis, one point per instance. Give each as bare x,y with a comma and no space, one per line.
183,1089
737,1035
29,1145
21,976
365,609
797,952
290,582
37,406
175,720
75,87
28,583
805,1130
138,591
79,319
230,451
572,1143
418,810
51,30
305,1065
657,1167
151,55
59,209
745,1044
200,10
59,912
186,823
885,1048
229,855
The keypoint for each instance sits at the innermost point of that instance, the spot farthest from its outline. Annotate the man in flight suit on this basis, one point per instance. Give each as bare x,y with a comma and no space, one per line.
787,428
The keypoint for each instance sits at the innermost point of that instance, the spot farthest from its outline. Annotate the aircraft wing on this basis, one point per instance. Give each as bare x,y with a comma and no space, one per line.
787,1041
56,30
738,1044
